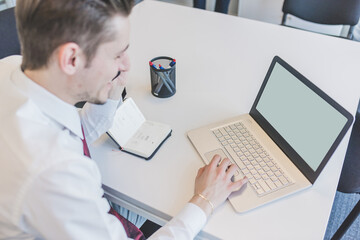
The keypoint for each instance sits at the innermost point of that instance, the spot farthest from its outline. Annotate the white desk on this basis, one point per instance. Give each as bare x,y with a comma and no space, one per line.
221,63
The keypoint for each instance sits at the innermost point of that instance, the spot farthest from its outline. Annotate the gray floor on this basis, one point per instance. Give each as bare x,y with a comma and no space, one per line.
343,204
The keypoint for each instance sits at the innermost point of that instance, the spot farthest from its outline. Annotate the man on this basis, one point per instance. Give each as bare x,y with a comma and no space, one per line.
49,187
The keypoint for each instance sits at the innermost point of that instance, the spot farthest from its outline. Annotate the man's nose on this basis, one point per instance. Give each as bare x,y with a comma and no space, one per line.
124,63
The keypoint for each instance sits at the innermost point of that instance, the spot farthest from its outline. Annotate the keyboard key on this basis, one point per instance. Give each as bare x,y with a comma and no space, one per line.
260,191
270,184
278,173
283,180
223,132
257,176
246,162
278,184
240,154
273,178
257,186
264,185
252,181
241,165
218,135
240,145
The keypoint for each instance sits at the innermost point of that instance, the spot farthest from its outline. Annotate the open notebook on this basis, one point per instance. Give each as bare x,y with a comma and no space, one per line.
136,135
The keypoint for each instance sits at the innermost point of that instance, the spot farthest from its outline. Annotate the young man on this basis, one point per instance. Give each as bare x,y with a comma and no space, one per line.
49,187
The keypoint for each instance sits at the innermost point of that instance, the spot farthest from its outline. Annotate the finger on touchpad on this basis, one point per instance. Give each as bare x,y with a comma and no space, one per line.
210,155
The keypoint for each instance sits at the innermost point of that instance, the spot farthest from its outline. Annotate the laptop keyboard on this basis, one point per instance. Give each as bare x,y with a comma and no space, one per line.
264,174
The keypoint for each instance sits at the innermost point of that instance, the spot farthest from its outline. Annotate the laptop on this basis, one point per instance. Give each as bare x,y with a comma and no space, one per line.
285,141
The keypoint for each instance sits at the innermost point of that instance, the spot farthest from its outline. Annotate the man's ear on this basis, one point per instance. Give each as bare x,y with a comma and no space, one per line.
69,57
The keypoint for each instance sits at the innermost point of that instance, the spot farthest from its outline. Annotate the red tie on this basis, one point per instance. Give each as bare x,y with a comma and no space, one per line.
131,230
85,146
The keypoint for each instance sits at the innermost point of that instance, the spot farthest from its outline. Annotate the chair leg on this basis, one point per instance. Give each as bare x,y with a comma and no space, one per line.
283,19
347,222
350,33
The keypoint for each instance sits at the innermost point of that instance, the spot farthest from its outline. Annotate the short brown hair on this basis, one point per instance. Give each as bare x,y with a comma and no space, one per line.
43,25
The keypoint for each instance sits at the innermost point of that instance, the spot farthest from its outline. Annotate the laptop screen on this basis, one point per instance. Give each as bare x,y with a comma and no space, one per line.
302,118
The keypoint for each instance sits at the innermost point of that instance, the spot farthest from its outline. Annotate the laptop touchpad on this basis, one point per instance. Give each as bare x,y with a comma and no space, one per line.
209,155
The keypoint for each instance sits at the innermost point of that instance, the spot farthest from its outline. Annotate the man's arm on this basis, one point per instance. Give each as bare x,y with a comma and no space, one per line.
97,119
213,186
65,202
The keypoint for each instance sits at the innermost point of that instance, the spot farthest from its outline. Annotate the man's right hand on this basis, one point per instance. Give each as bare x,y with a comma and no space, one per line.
213,182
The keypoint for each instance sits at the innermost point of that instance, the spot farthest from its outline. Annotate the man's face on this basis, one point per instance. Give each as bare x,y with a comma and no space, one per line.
111,57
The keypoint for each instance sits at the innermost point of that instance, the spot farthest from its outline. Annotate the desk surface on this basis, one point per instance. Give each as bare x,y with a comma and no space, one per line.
221,63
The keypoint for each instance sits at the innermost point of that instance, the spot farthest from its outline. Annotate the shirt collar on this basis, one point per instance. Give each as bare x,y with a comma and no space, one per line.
55,108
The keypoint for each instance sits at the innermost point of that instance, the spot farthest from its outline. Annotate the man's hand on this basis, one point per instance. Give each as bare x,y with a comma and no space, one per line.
213,182
118,85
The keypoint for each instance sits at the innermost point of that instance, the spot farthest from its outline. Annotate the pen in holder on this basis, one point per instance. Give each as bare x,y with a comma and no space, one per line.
162,72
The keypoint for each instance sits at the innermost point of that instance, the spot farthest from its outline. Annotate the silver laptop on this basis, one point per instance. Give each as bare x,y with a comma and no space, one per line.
285,141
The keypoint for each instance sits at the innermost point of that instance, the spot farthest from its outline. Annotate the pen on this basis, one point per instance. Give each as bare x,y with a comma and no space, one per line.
172,62
158,87
167,78
118,74
152,64
165,82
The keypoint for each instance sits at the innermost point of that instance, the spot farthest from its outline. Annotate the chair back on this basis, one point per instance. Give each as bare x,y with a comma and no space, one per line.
350,174
342,12
9,41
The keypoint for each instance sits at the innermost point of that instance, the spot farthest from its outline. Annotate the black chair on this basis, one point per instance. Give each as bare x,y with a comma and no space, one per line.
331,12
350,175
9,41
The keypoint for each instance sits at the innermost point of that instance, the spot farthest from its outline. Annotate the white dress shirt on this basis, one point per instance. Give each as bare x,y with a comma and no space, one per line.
48,188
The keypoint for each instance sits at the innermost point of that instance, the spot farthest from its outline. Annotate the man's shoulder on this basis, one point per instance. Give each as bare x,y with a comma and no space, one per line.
9,94
8,64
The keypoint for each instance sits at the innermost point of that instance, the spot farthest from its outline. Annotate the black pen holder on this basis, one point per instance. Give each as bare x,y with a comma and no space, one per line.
162,73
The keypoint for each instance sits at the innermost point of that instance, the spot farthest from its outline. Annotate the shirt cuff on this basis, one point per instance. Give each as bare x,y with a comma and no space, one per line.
194,217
